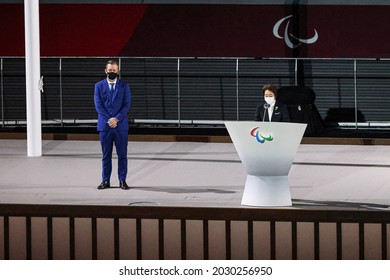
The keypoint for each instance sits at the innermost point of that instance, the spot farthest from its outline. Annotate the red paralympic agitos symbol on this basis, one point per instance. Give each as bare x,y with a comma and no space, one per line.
260,138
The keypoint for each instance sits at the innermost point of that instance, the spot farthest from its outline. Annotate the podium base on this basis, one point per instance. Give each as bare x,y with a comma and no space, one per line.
266,191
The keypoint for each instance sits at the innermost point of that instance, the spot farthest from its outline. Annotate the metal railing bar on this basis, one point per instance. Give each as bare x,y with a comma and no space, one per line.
161,239
2,93
72,241
116,239
250,240
273,240
205,239
294,241
61,94
94,239
342,125
6,237
237,93
361,241
178,93
183,229
296,72
139,238
228,240
49,222
209,58
28,238
384,240
355,91
339,240
316,240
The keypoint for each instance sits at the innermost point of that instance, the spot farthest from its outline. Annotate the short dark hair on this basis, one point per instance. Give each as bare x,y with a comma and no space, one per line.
112,62
271,88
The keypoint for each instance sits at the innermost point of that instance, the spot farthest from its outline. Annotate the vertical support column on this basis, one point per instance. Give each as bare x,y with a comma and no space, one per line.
355,87
296,72
33,72
2,92
61,95
178,93
237,96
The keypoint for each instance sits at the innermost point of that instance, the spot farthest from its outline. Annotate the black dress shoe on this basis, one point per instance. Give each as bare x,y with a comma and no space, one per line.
123,185
103,185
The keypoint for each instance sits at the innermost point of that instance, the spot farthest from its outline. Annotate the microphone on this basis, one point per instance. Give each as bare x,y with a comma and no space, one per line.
266,106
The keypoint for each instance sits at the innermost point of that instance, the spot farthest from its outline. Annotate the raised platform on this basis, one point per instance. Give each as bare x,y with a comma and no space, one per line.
190,174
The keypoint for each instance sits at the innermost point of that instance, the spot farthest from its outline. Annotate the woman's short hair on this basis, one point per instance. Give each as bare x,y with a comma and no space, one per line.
271,88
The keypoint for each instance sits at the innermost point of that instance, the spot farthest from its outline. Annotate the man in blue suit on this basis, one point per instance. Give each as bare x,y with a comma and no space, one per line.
112,103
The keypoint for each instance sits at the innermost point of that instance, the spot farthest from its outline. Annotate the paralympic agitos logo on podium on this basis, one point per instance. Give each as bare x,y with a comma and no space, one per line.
259,136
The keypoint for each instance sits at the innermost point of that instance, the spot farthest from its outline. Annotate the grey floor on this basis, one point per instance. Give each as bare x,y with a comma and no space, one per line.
190,174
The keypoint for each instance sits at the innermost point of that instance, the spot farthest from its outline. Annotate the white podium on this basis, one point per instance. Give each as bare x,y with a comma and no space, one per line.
267,151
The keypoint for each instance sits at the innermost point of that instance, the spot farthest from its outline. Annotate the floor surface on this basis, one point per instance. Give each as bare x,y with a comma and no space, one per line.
190,174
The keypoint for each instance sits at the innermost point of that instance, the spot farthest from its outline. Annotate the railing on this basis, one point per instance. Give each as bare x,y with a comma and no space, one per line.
147,232
186,90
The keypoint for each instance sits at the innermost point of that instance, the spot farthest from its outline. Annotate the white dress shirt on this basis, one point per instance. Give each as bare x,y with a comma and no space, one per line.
270,111
110,83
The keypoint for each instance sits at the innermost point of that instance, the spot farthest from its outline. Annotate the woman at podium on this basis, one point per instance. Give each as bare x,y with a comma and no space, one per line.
270,110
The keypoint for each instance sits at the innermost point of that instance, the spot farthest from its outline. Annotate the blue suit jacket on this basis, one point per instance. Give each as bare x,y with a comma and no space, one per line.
116,106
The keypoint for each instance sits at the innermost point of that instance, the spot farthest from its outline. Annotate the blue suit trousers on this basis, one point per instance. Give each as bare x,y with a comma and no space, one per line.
107,140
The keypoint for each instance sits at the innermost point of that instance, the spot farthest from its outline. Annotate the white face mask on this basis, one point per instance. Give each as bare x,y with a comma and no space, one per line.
269,100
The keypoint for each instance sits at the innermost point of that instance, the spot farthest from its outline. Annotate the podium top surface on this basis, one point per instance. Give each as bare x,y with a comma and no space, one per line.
266,148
